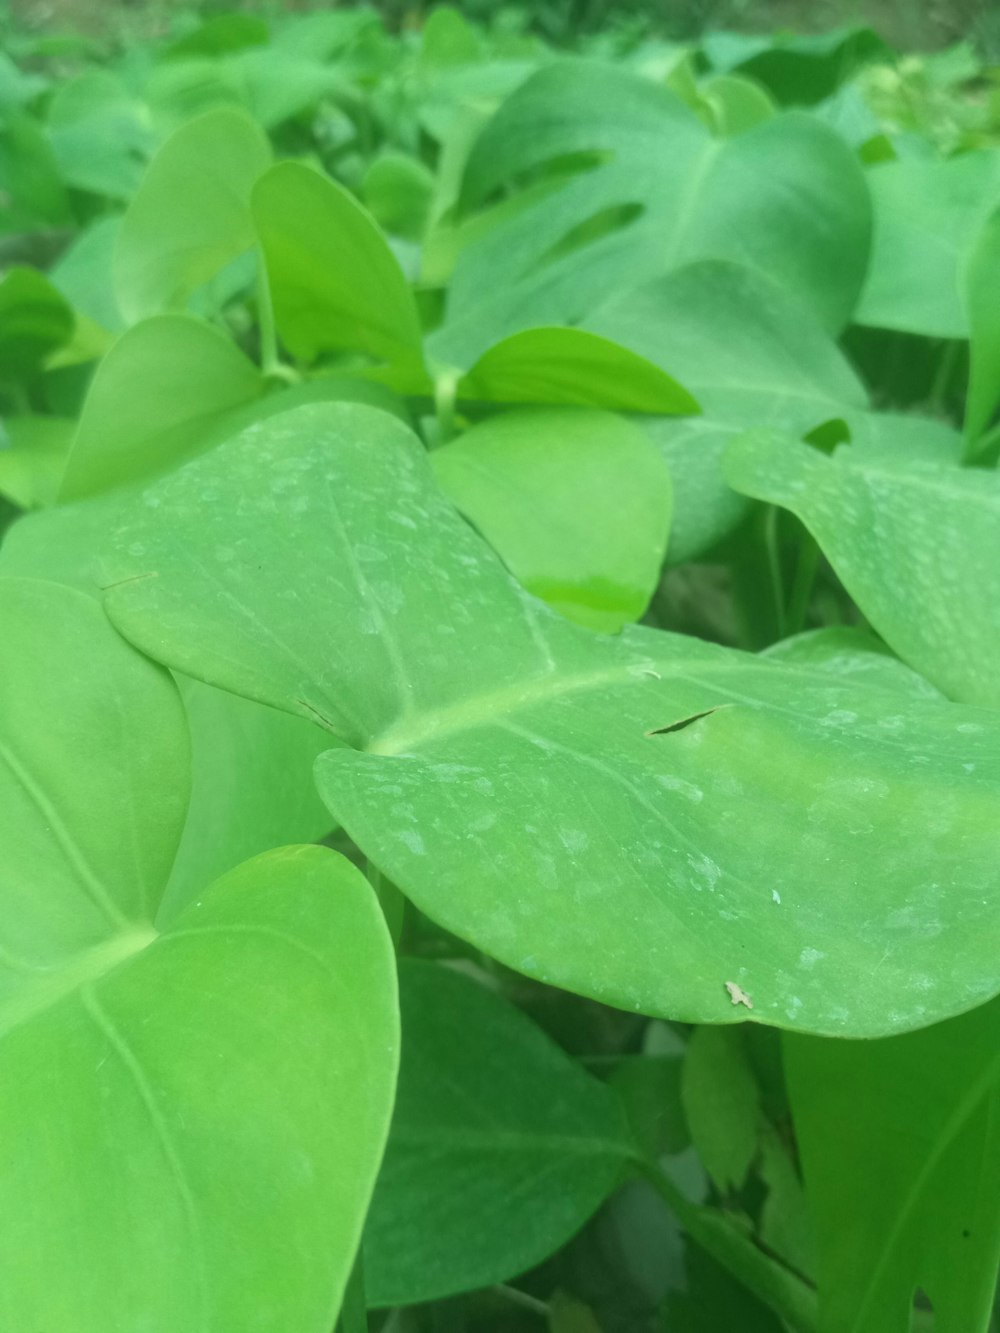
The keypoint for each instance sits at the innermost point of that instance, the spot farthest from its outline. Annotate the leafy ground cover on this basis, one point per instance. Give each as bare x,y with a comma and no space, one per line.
500,748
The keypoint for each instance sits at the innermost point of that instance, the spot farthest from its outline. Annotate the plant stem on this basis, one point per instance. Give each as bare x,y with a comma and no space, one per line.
354,1310
805,577
522,1298
792,1299
269,362
445,387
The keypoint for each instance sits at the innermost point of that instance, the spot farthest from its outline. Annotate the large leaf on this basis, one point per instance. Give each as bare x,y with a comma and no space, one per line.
501,1146
336,285
576,503
191,215
900,1144
785,197
749,352
915,544
731,831
165,389
928,216
192,1108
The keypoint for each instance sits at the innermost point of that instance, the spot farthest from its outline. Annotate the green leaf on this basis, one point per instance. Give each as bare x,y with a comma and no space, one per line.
721,1103
336,284
166,390
566,367
83,273
736,104
32,194
913,543
798,69
251,788
708,817
191,215
192,1109
981,282
501,1146
99,135
34,321
32,456
748,351
652,190
852,653
928,216
900,1142
577,504
398,192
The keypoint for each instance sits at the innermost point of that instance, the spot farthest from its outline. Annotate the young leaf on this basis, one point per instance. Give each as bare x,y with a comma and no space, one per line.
335,283
166,390
900,1142
34,321
915,544
191,215
569,367
722,1104
785,198
501,1146
576,503
729,831
32,457
192,1110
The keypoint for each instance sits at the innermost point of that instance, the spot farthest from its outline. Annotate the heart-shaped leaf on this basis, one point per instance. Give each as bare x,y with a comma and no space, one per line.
658,191
663,824
192,1107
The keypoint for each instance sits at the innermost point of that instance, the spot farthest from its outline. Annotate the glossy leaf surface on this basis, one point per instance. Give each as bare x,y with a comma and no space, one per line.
711,818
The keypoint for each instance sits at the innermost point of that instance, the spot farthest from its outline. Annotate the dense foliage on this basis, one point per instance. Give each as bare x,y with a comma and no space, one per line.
501,579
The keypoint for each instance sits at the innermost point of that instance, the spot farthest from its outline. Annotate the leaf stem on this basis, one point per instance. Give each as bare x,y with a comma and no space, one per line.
805,577
791,1298
270,363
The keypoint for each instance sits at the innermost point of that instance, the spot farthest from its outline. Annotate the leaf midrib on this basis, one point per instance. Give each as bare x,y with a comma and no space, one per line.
34,997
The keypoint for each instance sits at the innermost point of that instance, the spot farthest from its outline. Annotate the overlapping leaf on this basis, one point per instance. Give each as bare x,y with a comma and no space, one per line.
193,1106
785,197
501,1146
915,544
651,820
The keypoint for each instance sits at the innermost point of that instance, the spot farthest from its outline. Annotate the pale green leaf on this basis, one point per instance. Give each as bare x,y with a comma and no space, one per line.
660,823
576,503
192,1107
191,214
915,544
164,391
